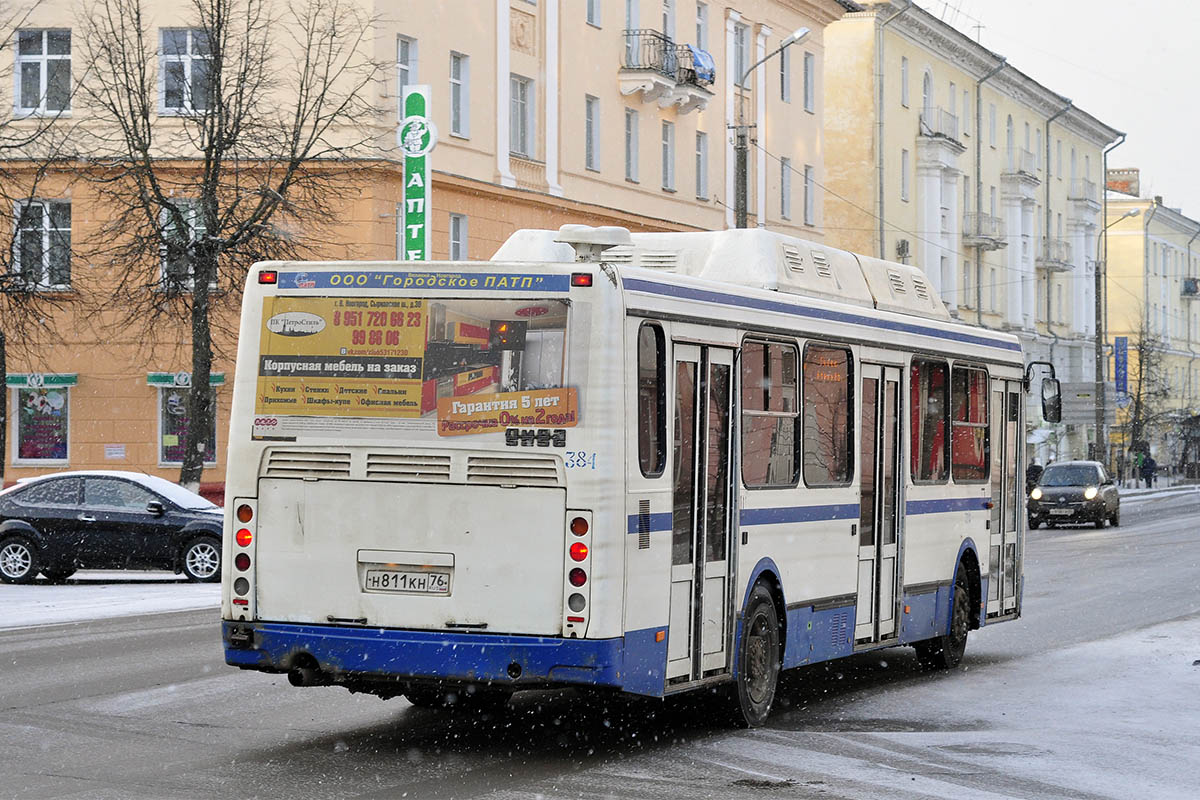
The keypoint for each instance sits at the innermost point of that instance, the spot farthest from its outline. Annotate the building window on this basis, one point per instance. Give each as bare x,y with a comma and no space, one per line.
668,19
186,61
993,288
631,145
460,95
173,422
1058,158
702,26
967,113
952,95
810,82
810,195
458,237
652,400
43,424
741,52
631,24
969,448
828,416
177,253
770,414
1039,148
42,250
904,81
785,75
43,71
968,294
406,66
520,118
904,175
591,127
785,188
701,165
593,12
668,156
929,420
992,124
992,199
966,194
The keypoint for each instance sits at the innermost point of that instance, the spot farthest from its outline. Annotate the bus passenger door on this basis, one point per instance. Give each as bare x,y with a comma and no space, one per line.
1008,497
879,528
699,634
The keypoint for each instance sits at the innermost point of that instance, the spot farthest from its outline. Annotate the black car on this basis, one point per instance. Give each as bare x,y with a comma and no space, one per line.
1074,492
59,523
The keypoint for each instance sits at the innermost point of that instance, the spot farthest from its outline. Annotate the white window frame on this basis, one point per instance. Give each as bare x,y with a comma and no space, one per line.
810,82
522,103
631,145
668,156
668,19
993,291
785,75
158,407
967,113
191,210
904,81
15,414
47,233
741,53
188,60
967,295
460,95
592,12
42,60
991,124
785,188
406,69
701,165
810,194
459,232
591,129
702,26
904,175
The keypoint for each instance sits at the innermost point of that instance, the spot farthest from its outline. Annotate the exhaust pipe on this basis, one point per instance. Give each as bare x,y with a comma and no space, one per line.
306,671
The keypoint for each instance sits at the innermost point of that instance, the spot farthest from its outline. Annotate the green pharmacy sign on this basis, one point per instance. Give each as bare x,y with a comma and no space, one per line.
415,137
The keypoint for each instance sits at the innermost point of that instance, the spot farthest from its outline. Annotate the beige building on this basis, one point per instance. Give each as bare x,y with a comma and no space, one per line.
958,162
605,112
1153,264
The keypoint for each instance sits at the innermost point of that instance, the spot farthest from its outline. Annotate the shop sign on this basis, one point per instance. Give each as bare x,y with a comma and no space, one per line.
416,137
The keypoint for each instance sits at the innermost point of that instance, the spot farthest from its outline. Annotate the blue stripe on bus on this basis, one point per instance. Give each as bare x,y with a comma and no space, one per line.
942,506
658,522
722,298
775,516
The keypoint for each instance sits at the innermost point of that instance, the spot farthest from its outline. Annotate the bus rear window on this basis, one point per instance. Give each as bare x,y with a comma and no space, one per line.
397,357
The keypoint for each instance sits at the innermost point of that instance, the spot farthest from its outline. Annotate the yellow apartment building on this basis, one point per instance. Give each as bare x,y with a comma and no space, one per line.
604,112
941,154
1152,269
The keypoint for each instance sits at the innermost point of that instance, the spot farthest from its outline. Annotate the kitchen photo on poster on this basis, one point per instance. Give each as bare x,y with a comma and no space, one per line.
399,357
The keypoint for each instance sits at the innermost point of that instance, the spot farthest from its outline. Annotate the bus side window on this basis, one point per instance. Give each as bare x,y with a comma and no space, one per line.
652,400
770,414
970,448
828,415
929,385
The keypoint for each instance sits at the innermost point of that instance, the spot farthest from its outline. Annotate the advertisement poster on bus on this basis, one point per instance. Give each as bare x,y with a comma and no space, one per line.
492,413
333,356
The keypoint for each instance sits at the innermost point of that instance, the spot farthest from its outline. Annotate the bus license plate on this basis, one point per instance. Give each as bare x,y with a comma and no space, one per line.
1062,512
391,580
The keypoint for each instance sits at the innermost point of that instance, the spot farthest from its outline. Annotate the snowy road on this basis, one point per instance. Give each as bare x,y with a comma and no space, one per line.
1095,693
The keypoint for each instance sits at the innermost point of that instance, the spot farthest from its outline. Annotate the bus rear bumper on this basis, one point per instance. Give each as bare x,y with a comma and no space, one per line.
345,654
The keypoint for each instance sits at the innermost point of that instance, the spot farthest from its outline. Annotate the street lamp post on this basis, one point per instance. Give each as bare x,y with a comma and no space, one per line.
1100,270
741,144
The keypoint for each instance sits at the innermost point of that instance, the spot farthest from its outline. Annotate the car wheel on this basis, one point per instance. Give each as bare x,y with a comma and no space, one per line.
946,652
1100,522
757,661
202,560
58,575
1034,524
1115,519
18,560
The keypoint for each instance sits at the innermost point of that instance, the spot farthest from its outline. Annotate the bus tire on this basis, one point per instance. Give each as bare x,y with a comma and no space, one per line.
758,661
946,652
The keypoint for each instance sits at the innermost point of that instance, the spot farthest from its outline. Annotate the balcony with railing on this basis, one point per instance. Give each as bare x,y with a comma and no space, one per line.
664,72
983,231
1085,194
938,122
1020,161
1055,255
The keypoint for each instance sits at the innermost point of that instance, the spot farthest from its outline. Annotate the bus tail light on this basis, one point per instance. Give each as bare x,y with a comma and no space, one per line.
577,577
579,526
581,279
243,537
579,551
244,513
242,562
242,587
269,276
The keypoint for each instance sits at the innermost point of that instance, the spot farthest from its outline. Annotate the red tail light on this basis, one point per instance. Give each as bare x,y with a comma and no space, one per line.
579,551
577,577
579,526
268,276
244,513
242,562
244,537
581,279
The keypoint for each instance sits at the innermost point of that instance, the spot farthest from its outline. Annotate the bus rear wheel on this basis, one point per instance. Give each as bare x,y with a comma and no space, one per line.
946,652
757,661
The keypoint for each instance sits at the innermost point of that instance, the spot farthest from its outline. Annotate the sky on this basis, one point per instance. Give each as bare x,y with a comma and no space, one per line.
1135,67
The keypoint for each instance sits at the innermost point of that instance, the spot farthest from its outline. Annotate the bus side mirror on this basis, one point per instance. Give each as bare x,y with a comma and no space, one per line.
1051,400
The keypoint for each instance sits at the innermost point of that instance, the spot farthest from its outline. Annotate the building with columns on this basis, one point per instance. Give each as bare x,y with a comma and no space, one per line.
940,153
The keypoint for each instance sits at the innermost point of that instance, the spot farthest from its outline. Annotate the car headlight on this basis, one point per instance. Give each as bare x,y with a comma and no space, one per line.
1036,494
1090,493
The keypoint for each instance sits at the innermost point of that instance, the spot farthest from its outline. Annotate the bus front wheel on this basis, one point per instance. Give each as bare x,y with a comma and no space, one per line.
757,661
945,652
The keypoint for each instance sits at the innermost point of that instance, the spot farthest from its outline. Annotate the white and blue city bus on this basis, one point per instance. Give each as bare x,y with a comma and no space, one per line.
648,462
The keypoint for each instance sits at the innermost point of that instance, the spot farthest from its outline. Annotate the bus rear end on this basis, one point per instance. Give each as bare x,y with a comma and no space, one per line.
399,517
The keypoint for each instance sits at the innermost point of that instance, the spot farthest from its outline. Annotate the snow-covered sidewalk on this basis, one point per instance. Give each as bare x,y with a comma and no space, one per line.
96,594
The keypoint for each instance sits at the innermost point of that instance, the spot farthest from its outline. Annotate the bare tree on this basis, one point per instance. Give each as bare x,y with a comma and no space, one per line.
30,145
212,147
1149,388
